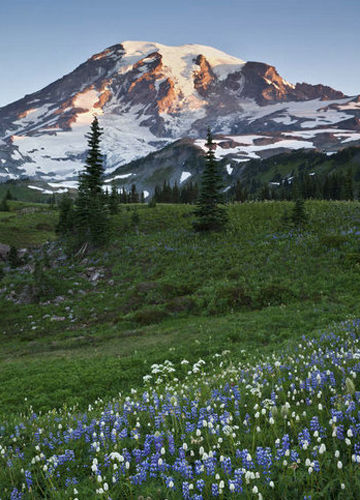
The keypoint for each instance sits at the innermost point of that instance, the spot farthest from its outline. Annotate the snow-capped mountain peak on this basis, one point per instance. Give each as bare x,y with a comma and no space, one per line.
147,95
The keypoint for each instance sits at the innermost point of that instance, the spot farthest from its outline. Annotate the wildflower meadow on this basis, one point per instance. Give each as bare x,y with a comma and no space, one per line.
284,425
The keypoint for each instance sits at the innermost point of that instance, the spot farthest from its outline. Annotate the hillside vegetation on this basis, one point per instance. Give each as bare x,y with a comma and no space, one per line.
79,330
27,224
274,426
88,327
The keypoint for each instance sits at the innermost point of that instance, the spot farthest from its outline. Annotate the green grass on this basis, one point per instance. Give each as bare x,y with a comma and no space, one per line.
19,190
27,224
166,292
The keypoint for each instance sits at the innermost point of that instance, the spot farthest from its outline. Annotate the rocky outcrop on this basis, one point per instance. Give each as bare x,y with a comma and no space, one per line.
266,86
4,250
305,91
204,77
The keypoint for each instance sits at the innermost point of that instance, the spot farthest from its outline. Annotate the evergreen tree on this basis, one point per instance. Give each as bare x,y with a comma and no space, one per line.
4,206
265,193
157,194
240,193
348,187
123,196
92,177
134,196
66,221
114,200
8,195
13,257
175,194
209,215
92,222
299,216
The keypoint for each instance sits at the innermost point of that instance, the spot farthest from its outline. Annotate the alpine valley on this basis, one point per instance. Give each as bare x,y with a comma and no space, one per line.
155,103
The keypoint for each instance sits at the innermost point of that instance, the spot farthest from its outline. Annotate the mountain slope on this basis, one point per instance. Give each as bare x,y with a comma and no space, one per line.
148,95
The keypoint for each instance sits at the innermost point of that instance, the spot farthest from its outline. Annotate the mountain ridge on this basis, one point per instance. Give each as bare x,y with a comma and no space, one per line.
148,95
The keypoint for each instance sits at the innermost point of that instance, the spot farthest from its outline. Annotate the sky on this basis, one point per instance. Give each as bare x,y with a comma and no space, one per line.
316,41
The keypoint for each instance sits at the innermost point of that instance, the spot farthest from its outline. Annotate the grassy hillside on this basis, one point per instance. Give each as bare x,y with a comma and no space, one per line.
27,224
234,305
93,326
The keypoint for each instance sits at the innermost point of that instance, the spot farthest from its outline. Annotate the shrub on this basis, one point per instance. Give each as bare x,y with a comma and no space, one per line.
333,240
148,315
274,294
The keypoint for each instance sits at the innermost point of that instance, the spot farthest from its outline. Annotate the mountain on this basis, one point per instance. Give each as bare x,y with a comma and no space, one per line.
148,96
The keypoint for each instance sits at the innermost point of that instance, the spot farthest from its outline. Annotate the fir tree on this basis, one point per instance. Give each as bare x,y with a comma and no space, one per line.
175,194
265,193
8,195
209,215
91,221
4,206
94,170
114,200
66,216
134,196
348,186
240,193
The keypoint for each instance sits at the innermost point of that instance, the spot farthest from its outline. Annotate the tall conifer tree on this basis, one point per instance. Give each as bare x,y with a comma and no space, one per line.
209,214
92,221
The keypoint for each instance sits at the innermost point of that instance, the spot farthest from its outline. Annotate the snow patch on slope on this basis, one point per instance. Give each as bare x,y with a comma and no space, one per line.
184,176
229,169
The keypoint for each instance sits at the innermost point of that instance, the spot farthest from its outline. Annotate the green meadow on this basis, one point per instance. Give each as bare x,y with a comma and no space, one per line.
159,290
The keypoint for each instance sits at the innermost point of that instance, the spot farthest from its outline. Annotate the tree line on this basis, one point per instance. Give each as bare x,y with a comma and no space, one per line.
166,193
333,186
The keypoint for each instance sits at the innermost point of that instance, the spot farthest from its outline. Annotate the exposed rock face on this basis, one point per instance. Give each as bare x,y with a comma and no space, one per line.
148,95
304,91
264,84
204,77
350,124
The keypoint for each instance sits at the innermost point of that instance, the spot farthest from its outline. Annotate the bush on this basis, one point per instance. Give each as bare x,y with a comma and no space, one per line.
333,240
223,297
274,294
13,257
181,304
148,315
352,259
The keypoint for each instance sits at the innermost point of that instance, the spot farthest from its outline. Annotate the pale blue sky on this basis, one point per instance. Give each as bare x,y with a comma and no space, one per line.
307,40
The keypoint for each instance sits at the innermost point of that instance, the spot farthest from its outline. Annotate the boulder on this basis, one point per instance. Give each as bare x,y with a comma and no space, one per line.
4,250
